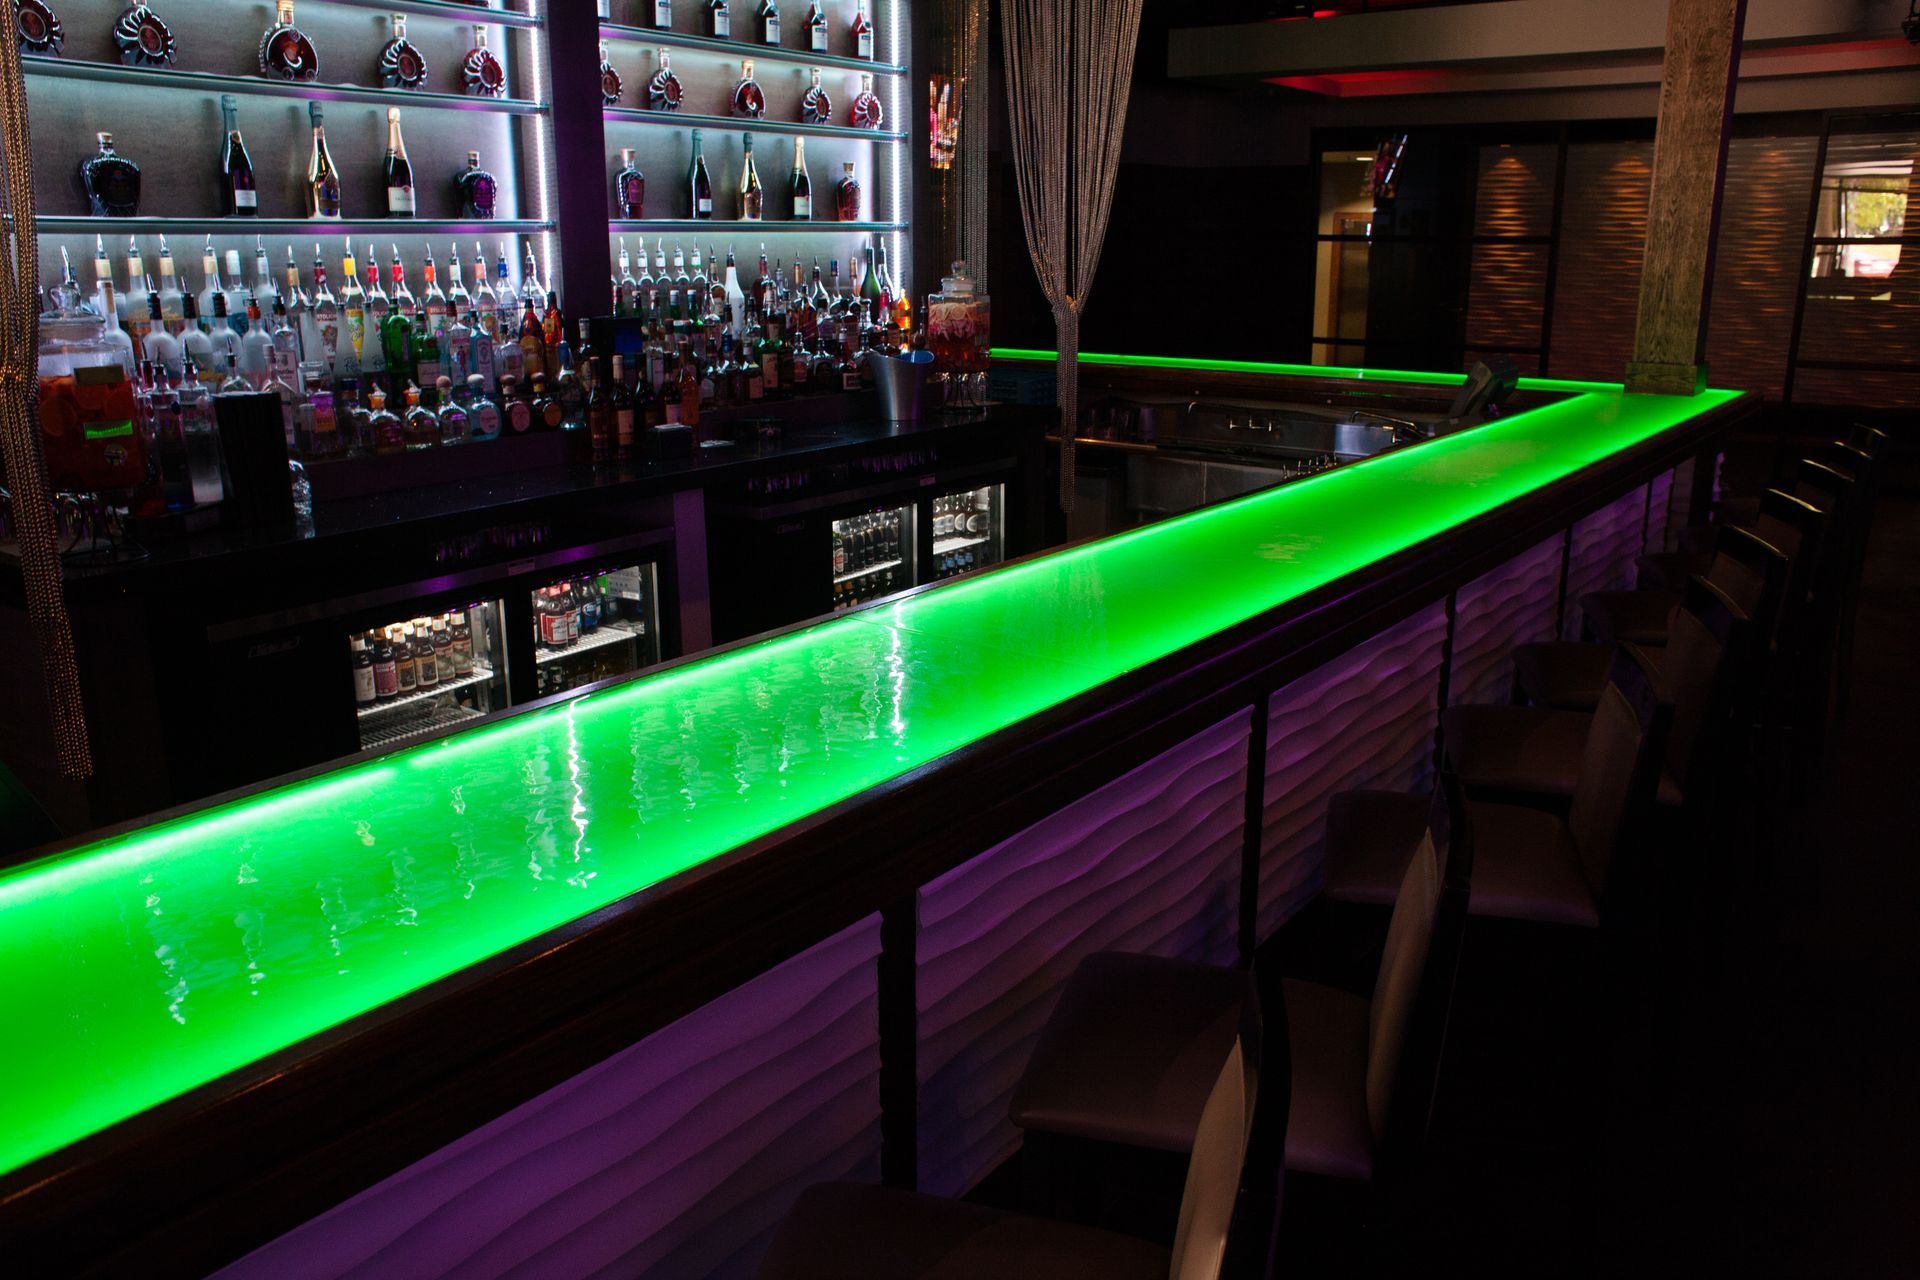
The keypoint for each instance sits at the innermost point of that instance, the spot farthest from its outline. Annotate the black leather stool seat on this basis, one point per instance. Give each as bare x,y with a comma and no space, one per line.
842,1229
1132,1050
1563,675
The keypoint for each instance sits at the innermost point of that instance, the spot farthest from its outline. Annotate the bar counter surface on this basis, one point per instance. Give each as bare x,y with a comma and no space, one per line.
182,963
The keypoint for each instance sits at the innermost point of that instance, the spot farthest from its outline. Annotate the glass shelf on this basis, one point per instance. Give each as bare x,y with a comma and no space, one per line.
454,9
393,735
210,82
81,224
734,227
606,634
640,115
373,711
745,49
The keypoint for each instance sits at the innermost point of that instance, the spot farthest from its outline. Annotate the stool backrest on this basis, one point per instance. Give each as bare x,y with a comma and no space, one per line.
1868,440
1705,648
1219,1155
1751,572
1799,529
1621,764
1413,991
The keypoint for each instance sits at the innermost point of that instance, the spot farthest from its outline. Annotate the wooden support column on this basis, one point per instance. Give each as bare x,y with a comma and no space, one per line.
1683,215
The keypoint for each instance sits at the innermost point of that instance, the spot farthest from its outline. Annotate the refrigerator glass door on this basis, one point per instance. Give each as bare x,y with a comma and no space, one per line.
872,555
416,675
969,530
594,626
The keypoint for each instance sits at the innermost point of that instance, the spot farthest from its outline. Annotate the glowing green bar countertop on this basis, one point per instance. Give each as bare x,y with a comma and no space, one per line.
145,964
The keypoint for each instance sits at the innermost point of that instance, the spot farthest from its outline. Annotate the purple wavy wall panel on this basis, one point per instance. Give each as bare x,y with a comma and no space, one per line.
674,1158
1149,862
1660,521
1364,719
1604,547
1513,604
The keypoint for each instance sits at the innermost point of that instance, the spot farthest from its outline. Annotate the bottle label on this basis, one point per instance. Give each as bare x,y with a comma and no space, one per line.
819,38
769,372
623,427
722,25
519,417
246,199
705,206
773,26
486,421
399,199
663,13
866,45
386,679
803,206
363,687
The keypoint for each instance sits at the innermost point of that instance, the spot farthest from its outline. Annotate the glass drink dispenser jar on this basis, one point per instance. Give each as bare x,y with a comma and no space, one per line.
87,416
958,335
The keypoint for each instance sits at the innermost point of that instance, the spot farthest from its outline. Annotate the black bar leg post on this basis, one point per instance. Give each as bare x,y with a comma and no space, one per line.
1250,836
898,993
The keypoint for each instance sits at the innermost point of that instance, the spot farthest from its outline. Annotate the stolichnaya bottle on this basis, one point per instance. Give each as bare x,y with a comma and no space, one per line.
111,180
285,51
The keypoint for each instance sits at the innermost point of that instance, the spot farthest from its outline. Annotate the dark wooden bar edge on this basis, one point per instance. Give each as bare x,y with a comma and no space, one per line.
196,1182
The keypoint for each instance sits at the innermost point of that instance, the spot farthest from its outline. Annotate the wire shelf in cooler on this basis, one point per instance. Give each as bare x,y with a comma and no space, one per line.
213,82
869,571
607,634
730,226
944,545
382,228
640,115
379,709
746,49
459,10
406,731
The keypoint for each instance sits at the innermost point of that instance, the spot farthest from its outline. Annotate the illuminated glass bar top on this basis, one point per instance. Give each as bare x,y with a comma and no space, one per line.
146,964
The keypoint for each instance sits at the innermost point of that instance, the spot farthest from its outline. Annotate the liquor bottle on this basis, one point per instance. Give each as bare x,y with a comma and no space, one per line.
239,195
111,180
865,112
751,196
423,659
748,100
678,286
459,301
134,304
600,425
719,19
736,298
862,32
816,106
533,345
553,325
323,180
626,441
481,72
402,65
516,415
400,637
443,648
378,307
365,692
418,426
485,301
663,14
689,389
483,364
326,315
398,170
456,349
611,85
172,313
663,90
530,286
263,290
508,300
817,27
382,426
196,348
570,388
770,23
452,418
39,28
433,301
846,196
236,294
256,348
321,421
629,188
397,347
353,306
142,38
285,51
548,415
801,186
461,636
403,299
483,423
477,190
699,184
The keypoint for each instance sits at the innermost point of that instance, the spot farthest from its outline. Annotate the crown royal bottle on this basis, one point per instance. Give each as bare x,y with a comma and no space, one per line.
112,182
630,188
402,65
480,71
285,51
663,91
478,191
143,40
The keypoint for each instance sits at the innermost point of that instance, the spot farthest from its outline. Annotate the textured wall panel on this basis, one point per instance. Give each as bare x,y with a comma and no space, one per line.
1850,387
1506,295
1660,522
1763,223
1149,863
1604,547
674,1158
1365,719
1514,604
1603,232
1515,192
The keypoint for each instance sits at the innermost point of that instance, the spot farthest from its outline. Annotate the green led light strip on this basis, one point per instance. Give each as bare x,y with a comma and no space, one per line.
143,965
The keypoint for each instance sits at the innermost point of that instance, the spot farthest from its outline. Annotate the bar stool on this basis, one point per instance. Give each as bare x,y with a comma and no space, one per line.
842,1230
1535,755
1529,864
1123,1055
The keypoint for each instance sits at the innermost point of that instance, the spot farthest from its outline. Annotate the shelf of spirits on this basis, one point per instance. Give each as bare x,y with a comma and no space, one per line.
691,226
746,48
608,633
213,83
481,675
764,125
377,228
458,10
867,572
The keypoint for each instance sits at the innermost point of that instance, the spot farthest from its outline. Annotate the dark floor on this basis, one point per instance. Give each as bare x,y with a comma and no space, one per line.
1775,1133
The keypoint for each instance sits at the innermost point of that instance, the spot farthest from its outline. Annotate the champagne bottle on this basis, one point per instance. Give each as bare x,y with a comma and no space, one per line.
802,185
323,180
239,193
751,196
699,183
398,170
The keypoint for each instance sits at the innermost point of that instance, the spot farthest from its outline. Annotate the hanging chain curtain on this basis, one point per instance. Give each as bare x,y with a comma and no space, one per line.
966,25
1069,69
19,426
